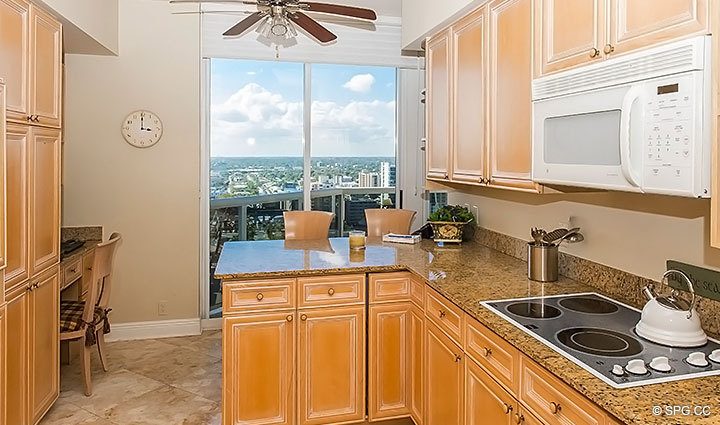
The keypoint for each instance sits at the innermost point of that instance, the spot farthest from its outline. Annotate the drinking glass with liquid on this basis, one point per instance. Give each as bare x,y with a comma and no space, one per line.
357,240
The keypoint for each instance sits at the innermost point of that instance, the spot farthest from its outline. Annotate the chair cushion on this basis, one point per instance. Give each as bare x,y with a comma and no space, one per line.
71,315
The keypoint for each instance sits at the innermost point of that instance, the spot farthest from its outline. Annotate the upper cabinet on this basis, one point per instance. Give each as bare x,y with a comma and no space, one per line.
438,106
569,33
31,63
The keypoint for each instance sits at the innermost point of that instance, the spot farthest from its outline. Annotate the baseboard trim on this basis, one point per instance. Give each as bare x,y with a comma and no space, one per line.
154,329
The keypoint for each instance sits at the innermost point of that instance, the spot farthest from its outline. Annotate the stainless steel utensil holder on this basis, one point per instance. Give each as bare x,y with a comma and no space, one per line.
542,262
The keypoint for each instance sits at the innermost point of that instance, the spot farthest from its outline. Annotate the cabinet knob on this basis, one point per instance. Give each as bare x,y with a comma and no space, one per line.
289,318
519,418
303,317
447,175
507,408
594,52
555,408
609,48
73,270
260,296
458,358
331,292
441,314
486,352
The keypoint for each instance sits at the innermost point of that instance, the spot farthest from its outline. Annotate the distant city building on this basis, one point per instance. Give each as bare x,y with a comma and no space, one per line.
366,179
393,176
355,212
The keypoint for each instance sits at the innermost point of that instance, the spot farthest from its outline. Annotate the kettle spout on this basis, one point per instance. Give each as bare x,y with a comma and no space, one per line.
649,292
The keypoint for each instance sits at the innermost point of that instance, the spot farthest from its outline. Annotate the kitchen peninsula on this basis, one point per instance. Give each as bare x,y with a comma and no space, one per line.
432,351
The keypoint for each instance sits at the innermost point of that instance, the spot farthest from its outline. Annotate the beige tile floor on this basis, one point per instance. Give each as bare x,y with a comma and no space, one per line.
161,381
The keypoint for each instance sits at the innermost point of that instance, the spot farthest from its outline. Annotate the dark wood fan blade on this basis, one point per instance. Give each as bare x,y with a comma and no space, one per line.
310,25
244,25
336,9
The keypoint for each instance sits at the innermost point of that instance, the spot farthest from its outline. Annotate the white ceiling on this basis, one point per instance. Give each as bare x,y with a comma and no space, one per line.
385,8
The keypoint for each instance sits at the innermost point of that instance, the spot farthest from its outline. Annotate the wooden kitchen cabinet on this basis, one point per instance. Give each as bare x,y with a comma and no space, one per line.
636,24
388,356
3,344
469,112
438,92
44,194
17,355
44,338
3,194
45,68
15,57
486,402
17,160
331,365
444,378
568,33
259,370
417,350
510,91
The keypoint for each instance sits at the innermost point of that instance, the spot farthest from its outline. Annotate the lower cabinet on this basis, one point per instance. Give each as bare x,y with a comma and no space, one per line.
259,381
486,402
3,344
331,365
32,349
417,354
444,378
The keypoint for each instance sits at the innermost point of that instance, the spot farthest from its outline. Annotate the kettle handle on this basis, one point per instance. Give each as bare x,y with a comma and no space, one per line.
688,283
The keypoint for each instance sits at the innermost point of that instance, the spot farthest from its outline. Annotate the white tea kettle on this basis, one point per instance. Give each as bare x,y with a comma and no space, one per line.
671,320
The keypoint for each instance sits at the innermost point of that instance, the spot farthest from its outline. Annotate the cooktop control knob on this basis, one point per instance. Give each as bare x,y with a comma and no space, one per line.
715,356
636,367
697,359
618,370
660,364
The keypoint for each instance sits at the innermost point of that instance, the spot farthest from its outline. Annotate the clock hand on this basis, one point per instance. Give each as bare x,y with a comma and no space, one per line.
142,122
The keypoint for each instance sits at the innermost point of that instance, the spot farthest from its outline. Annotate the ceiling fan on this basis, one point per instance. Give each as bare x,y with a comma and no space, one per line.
279,17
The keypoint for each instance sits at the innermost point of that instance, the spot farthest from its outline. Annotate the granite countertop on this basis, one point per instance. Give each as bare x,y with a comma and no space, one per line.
73,255
466,275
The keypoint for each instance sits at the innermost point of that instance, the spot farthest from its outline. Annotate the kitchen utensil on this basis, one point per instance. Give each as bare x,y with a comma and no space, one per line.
538,234
554,236
672,320
572,236
542,262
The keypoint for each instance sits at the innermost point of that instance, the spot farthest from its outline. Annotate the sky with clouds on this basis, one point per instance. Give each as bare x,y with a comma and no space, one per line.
257,109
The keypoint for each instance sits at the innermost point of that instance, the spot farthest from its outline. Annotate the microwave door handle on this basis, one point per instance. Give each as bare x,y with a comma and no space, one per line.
632,96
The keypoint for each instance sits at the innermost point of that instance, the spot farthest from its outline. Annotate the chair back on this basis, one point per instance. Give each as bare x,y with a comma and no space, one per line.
383,221
307,225
101,279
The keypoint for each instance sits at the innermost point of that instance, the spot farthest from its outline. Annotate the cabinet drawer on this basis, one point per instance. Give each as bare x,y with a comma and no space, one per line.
498,358
553,401
417,292
258,295
445,314
331,290
390,287
71,272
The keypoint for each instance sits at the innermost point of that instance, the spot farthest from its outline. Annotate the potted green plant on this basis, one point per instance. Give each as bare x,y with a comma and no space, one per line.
449,222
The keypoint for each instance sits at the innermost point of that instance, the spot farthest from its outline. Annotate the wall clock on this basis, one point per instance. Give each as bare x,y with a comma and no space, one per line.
142,129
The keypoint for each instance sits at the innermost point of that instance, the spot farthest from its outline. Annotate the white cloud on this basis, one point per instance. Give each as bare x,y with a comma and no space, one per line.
257,122
361,83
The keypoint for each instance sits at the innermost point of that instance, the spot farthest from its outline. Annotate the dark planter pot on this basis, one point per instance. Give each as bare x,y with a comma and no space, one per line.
448,231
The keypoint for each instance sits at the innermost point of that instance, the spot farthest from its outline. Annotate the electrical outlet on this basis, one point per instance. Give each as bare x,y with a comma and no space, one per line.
163,308
476,213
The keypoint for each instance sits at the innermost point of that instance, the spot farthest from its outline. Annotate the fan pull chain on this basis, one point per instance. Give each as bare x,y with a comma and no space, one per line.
277,51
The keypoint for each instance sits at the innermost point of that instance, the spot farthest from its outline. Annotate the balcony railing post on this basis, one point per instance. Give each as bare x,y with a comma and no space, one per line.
242,223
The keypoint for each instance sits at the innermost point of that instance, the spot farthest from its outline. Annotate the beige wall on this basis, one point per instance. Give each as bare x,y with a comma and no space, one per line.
420,17
151,195
91,26
631,232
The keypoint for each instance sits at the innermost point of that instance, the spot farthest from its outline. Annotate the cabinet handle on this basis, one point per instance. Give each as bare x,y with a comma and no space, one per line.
486,352
447,175
458,357
507,408
555,408
609,48
331,292
30,118
303,317
73,270
594,52
260,296
519,418
289,318
441,314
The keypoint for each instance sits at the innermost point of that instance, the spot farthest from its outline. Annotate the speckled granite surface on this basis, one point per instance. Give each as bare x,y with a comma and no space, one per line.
81,233
467,275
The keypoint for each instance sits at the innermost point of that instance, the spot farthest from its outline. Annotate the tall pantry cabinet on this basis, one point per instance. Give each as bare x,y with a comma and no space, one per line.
3,331
30,65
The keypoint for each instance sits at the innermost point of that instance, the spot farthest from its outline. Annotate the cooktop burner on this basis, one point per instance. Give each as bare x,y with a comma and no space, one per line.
601,342
589,305
533,310
597,334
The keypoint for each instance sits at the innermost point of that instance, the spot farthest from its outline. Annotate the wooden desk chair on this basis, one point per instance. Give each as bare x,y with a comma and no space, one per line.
383,221
307,225
87,321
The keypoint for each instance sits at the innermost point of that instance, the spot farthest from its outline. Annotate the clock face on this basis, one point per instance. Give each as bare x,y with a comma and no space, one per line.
142,129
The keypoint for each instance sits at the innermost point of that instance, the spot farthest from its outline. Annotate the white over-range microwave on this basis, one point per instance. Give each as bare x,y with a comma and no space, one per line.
637,123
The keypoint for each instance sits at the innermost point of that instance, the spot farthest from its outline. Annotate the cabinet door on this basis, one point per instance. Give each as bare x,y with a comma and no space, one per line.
17,146
486,402
568,33
635,24
3,344
3,186
259,369
510,154
469,100
417,348
14,58
44,343
331,365
524,417
44,199
16,356
45,68
444,378
388,356
438,106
